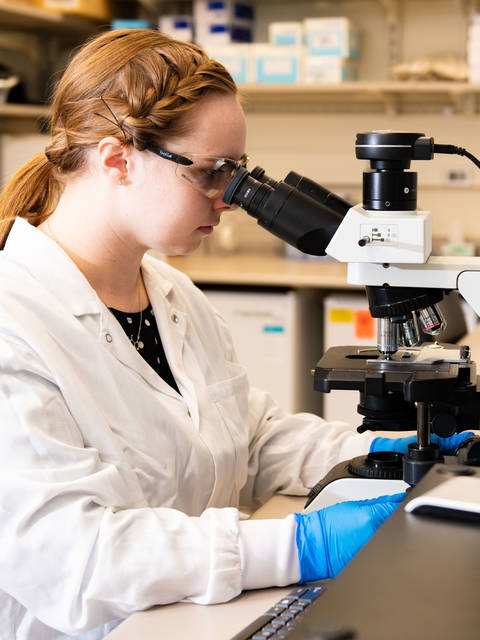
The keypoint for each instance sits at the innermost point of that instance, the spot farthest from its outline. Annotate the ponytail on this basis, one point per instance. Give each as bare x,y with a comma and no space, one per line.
32,193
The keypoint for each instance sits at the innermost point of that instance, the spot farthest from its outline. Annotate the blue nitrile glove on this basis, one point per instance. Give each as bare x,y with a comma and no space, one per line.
329,538
447,446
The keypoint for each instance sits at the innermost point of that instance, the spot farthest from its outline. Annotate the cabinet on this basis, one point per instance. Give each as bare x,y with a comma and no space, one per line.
56,34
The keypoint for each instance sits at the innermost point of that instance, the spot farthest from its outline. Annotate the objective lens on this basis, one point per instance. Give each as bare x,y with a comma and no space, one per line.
387,341
431,320
408,334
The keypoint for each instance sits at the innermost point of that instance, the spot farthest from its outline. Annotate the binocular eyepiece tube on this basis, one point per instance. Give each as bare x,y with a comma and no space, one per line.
296,210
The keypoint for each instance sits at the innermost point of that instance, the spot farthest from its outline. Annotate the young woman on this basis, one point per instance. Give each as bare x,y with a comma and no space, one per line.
129,433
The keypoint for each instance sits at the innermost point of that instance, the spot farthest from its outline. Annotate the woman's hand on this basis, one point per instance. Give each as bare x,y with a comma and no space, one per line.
329,538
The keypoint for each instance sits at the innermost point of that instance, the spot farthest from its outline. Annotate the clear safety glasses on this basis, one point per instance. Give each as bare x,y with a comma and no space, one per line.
208,174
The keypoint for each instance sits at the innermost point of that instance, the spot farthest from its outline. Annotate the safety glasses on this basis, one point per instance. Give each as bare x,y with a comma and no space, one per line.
208,174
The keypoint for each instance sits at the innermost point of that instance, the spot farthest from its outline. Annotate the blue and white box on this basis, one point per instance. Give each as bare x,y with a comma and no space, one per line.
224,11
130,23
276,65
235,58
221,34
285,33
331,37
222,21
179,27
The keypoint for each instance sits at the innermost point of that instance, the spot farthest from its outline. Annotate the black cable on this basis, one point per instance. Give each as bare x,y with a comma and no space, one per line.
452,149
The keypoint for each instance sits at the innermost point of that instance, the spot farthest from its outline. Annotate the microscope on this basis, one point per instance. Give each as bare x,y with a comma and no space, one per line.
405,383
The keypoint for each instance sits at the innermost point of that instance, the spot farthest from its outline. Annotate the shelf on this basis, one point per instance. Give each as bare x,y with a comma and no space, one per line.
263,271
391,97
30,111
23,118
26,18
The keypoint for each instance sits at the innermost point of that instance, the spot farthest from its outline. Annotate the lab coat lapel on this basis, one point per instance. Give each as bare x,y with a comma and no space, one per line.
172,325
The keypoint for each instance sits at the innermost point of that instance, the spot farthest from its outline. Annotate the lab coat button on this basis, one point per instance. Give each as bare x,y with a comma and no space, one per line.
174,318
108,337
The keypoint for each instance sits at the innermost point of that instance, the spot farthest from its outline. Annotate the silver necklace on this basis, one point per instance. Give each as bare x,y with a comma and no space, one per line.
138,344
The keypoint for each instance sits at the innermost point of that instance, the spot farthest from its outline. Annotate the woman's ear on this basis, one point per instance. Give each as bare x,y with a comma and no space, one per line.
113,158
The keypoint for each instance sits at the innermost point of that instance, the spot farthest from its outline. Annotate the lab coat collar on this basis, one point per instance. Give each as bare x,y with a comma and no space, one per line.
47,262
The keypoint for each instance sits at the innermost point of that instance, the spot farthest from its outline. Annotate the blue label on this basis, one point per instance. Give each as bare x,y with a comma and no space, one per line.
218,28
287,77
283,39
273,328
237,67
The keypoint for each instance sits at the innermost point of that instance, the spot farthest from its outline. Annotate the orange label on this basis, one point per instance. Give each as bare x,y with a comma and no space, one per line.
364,324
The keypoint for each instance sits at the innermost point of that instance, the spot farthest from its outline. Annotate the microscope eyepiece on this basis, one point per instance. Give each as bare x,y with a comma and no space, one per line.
259,174
285,211
318,193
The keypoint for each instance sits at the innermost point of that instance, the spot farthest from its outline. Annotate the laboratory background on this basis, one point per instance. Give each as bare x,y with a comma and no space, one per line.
312,75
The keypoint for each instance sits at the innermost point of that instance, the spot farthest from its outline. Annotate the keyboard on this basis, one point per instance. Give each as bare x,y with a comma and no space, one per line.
281,619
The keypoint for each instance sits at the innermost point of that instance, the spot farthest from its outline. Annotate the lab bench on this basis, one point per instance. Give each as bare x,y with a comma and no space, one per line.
267,271
213,622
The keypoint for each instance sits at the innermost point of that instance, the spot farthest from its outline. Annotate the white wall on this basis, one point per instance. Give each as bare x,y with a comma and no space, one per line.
322,147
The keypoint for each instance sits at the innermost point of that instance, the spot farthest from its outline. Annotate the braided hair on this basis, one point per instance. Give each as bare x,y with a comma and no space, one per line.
134,84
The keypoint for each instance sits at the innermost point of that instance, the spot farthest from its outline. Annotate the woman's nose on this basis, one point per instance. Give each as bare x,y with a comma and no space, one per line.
220,205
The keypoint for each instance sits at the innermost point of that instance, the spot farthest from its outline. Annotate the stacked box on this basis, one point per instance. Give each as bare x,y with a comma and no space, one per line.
329,69
236,58
285,33
473,49
222,22
331,37
332,45
272,64
179,27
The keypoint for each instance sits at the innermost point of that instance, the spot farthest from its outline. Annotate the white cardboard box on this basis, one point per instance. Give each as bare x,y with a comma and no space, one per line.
276,65
346,321
329,69
331,37
285,33
236,58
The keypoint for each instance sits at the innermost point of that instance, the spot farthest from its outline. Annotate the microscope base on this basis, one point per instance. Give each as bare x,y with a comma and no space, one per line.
340,485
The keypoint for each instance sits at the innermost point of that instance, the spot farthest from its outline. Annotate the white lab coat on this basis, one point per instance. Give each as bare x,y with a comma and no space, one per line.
116,492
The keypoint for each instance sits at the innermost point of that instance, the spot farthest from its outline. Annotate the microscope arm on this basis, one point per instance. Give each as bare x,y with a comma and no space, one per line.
438,272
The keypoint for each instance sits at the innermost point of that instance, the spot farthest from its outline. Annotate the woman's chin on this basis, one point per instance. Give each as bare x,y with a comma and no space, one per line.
183,250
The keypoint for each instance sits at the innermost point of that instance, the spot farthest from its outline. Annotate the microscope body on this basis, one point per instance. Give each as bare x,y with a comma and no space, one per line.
404,383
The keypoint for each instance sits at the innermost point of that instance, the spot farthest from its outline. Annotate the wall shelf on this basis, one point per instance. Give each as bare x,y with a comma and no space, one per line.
23,118
24,17
353,97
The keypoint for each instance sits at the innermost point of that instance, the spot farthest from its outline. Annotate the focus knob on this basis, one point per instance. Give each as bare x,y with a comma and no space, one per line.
385,465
